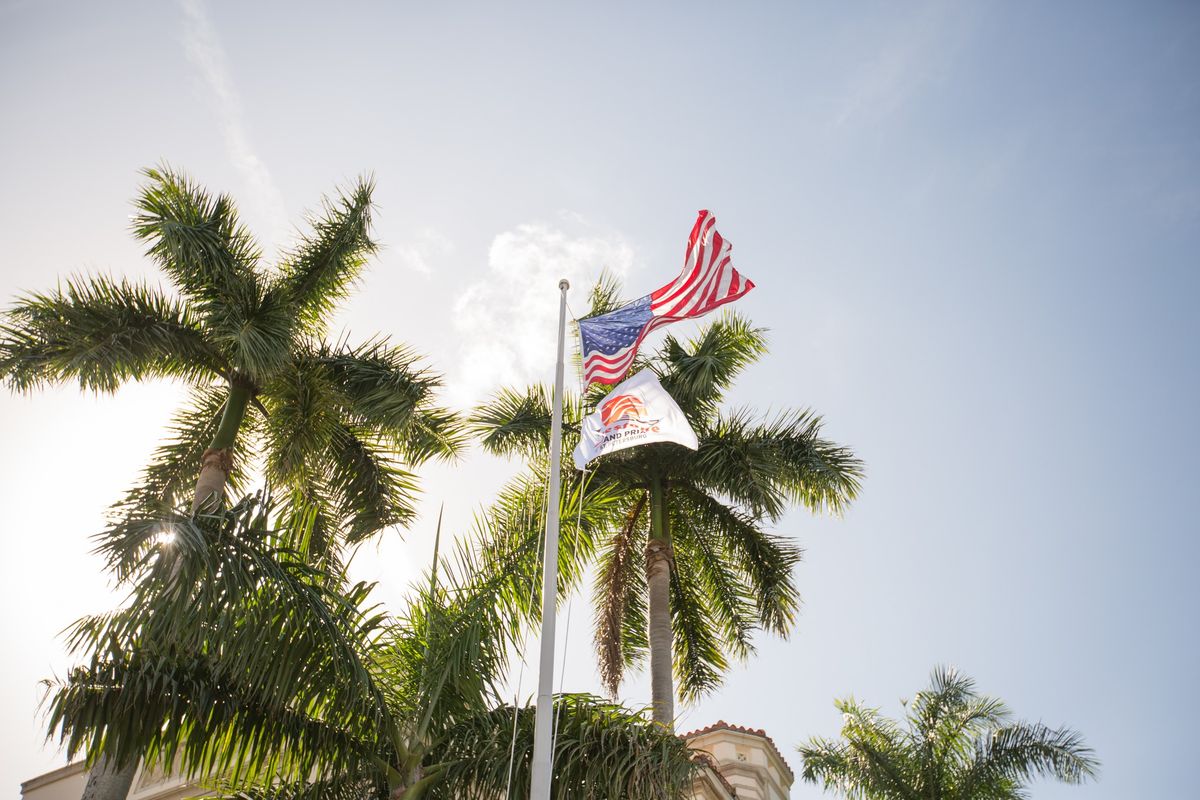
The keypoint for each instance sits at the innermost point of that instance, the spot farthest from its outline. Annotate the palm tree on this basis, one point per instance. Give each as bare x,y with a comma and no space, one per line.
247,340
323,418
955,745
238,660
687,569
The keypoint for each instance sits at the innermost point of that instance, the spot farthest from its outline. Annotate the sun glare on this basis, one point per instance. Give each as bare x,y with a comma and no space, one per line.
165,537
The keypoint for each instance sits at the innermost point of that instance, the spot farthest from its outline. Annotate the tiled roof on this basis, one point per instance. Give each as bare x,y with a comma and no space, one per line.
722,725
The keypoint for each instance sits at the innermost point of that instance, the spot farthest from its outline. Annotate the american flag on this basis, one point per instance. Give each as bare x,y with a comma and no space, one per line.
708,280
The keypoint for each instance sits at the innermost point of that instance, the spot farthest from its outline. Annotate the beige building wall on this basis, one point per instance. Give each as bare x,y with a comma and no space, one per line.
68,783
743,764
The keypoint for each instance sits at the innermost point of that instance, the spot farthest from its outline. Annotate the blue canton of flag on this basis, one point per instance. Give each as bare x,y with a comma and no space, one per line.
611,339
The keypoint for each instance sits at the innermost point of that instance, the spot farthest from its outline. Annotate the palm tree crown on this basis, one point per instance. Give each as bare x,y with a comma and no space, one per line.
684,554
324,418
955,744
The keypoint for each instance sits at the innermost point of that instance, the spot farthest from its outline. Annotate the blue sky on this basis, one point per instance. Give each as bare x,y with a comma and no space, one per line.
974,230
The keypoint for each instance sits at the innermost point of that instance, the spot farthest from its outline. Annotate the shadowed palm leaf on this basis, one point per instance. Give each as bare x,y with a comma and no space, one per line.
238,662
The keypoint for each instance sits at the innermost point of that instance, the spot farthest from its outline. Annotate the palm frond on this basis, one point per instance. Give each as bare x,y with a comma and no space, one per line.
304,415
232,654
507,540
730,609
620,589
602,752
605,294
766,465
370,489
387,390
814,471
515,423
198,241
764,559
958,744
341,786
101,333
255,330
196,238
735,461
697,372
324,266
699,661
1022,752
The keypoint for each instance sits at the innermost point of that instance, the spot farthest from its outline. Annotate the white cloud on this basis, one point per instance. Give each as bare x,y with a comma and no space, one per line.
420,248
205,52
506,322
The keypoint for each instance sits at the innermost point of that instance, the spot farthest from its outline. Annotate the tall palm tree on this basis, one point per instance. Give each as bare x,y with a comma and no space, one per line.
324,418
955,744
238,661
687,568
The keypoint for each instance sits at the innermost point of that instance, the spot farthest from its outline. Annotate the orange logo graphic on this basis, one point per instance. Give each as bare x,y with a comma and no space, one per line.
623,406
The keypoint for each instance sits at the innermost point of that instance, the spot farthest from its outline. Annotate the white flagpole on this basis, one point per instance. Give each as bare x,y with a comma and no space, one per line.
539,787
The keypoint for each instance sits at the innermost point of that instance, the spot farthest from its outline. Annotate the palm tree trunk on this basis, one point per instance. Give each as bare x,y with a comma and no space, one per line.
106,783
658,581
217,461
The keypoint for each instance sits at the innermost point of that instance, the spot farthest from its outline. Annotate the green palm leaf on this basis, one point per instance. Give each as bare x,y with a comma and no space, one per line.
956,744
323,268
102,333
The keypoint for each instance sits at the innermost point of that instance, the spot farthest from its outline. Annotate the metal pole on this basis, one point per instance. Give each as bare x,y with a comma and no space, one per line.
539,787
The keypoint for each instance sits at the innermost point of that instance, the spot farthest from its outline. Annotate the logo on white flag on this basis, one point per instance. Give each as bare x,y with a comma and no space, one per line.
639,411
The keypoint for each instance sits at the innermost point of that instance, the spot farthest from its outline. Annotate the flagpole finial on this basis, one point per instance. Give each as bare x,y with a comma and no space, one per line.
564,284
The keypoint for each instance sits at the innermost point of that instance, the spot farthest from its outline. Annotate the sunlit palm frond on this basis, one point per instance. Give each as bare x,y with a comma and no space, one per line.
213,260
734,460
100,333
605,294
181,711
386,389
321,270
729,599
696,372
196,239
766,560
304,416
516,522
813,470
699,662
956,744
344,786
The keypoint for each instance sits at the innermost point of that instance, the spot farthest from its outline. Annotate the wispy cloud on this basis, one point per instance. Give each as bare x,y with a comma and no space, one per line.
205,52
914,53
421,248
506,322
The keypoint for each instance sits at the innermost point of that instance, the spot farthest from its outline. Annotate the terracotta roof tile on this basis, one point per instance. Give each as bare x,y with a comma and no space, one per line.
722,725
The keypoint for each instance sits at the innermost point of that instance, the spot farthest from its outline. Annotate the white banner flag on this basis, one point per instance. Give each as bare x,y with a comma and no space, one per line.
639,411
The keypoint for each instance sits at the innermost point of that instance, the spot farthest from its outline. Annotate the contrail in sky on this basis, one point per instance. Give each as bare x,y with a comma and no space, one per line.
205,52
